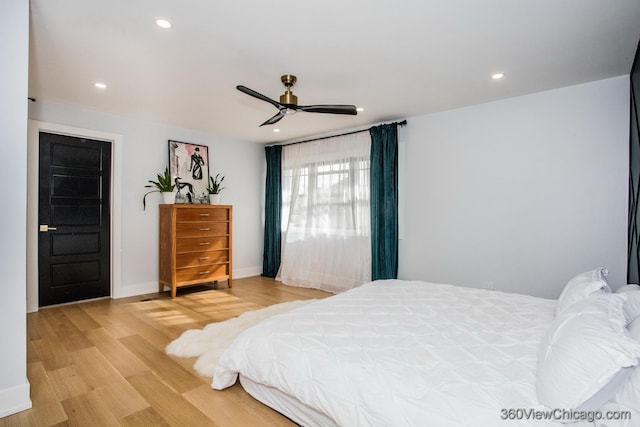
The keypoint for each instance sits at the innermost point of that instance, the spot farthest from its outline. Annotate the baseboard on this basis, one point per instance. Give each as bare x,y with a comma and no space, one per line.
151,287
14,399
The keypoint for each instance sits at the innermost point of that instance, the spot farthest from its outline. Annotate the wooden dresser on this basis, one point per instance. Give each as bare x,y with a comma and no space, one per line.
195,245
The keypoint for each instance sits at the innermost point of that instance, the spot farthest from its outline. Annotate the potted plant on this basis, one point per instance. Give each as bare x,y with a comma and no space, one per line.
215,188
162,185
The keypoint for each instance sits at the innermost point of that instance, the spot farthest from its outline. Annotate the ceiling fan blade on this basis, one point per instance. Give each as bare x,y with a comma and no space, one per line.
255,94
331,109
275,119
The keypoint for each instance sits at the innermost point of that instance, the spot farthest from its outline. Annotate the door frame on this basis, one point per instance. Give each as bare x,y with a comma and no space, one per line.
35,127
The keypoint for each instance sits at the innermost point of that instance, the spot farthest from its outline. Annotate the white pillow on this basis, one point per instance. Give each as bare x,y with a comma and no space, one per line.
608,391
632,306
628,288
584,349
627,397
582,286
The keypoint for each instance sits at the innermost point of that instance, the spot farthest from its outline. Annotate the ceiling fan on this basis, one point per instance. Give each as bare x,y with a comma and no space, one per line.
289,102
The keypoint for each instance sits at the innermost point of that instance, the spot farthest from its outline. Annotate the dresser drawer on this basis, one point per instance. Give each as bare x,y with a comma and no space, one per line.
201,228
202,214
198,244
202,273
195,259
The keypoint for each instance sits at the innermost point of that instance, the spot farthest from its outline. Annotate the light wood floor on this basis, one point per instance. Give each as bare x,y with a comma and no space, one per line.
102,363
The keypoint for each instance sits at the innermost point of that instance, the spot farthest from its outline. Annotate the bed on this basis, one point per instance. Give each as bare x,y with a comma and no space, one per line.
403,353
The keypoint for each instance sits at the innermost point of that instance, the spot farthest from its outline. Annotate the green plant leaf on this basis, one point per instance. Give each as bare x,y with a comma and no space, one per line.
214,184
162,185
144,201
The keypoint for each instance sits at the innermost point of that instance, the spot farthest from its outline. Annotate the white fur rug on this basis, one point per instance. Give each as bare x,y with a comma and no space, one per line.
209,343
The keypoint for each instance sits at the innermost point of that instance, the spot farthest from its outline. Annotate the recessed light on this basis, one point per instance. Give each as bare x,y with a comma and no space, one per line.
497,76
100,85
276,130
359,109
163,23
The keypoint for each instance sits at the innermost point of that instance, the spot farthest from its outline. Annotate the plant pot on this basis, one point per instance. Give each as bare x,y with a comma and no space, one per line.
214,199
168,198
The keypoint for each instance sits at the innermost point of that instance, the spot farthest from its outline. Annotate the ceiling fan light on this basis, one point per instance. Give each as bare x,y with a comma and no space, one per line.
288,111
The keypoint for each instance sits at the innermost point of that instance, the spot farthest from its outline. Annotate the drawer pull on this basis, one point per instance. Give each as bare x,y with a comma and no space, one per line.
204,214
205,229
204,243
202,258
203,272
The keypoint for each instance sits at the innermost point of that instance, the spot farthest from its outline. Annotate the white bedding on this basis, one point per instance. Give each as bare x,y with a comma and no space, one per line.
401,353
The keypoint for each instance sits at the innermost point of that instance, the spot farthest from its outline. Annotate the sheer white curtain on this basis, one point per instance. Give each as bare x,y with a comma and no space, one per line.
326,239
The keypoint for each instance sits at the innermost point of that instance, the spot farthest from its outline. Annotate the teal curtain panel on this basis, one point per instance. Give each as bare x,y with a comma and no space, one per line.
272,212
384,201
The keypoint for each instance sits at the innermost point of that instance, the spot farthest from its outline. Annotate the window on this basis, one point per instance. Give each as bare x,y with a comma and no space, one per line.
325,213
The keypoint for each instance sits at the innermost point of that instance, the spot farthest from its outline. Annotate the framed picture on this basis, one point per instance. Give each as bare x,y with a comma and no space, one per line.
189,169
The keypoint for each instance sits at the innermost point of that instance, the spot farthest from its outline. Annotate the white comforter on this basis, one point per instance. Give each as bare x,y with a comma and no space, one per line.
396,353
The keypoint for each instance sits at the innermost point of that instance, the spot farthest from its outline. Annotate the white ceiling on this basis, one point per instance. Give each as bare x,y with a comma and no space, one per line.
396,59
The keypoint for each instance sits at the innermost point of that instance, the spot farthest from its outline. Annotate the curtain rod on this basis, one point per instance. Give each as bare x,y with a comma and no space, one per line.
402,123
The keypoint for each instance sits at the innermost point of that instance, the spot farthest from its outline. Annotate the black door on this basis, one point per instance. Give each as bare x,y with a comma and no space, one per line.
74,206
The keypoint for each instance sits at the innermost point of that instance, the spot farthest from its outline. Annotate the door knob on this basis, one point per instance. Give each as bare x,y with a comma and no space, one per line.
45,227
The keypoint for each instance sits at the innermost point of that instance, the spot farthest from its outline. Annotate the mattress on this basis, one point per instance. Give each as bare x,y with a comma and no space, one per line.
288,406
399,353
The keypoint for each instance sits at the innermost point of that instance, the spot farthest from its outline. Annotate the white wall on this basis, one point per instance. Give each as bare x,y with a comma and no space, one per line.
14,50
524,192
145,153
